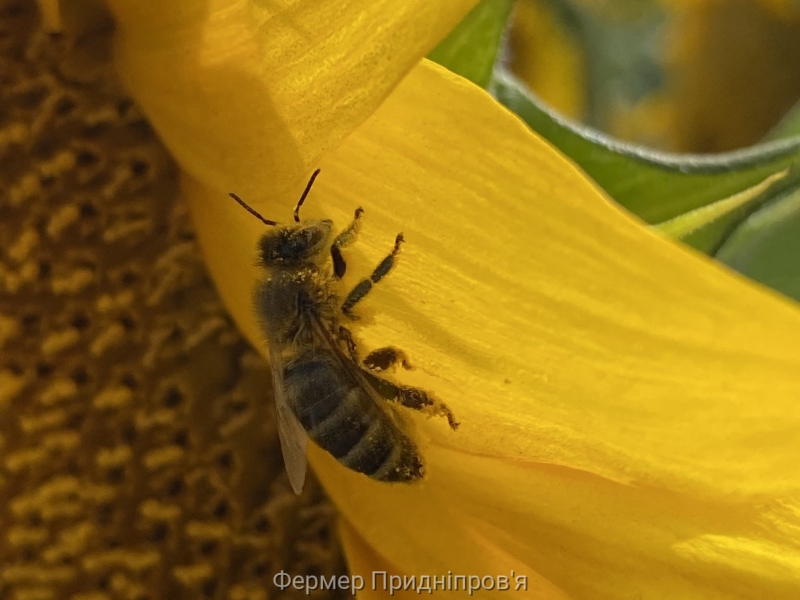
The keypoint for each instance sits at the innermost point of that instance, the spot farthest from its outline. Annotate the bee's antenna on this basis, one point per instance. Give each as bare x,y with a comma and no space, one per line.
303,197
251,211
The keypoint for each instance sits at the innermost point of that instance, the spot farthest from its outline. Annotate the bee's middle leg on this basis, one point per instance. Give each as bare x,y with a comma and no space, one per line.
377,360
365,285
384,358
345,238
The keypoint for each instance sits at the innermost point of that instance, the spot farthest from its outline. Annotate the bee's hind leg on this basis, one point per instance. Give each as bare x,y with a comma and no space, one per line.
349,343
365,285
383,358
345,238
409,397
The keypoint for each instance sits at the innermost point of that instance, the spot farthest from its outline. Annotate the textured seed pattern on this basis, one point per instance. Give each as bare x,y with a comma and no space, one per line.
138,449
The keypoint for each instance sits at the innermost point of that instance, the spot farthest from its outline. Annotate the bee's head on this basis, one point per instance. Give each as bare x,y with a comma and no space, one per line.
290,246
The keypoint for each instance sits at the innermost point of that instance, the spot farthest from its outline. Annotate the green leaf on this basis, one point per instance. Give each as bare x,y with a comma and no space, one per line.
706,228
766,247
656,186
472,47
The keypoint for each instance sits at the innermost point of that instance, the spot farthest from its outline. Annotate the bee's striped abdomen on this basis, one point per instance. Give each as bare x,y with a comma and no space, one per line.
342,418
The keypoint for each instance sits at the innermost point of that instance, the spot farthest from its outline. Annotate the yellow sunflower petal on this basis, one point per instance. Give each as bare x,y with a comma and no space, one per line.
251,94
629,408
363,558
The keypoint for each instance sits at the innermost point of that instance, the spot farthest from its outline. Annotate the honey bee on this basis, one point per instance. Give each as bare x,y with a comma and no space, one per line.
322,390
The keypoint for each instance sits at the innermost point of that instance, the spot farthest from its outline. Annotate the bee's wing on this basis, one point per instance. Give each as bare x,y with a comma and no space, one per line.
292,435
351,368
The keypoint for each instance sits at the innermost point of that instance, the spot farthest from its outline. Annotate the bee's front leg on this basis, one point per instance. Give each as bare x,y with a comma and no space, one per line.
345,238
